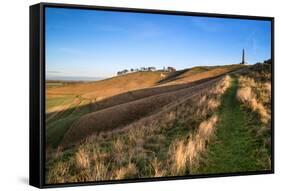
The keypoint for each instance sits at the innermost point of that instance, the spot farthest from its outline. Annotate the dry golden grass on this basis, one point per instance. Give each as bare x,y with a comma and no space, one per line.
222,86
100,171
158,169
206,129
245,94
118,145
127,171
213,104
204,134
255,95
211,100
186,153
82,159
59,173
179,155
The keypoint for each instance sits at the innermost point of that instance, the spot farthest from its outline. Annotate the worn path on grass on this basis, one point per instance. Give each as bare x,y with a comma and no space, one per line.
234,147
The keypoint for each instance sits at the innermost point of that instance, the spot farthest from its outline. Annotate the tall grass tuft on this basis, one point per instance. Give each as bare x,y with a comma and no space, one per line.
197,143
178,152
185,153
255,96
82,159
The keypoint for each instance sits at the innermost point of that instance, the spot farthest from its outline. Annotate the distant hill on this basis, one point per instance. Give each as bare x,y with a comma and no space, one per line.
108,87
73,78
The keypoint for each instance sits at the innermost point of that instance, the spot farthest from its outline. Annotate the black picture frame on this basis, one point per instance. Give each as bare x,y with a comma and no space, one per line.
37,92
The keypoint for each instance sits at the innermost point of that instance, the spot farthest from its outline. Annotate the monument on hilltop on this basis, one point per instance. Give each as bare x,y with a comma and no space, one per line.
243,57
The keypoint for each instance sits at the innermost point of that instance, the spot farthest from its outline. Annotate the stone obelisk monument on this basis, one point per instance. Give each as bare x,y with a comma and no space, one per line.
243,57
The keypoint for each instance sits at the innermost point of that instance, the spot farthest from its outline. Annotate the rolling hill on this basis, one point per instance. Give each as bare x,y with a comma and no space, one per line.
77,110
169,125
99,90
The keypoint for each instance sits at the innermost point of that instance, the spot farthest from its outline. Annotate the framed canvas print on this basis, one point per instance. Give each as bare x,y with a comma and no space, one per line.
123,95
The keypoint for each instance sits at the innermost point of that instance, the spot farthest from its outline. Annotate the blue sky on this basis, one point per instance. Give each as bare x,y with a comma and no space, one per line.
88,43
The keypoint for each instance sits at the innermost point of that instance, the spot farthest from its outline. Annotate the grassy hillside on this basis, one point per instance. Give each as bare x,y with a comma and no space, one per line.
125,127
126,113
149,147
68,103
99,90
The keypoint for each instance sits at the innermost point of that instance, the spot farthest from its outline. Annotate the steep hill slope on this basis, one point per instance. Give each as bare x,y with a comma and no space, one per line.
95,91
123,114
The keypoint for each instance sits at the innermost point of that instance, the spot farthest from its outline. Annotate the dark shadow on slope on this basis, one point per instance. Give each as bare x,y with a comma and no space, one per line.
100,116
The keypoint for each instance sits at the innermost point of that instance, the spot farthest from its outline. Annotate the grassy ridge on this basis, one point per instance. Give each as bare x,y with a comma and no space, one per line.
236,148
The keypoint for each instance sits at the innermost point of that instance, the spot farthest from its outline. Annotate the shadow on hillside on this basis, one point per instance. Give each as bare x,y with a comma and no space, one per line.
102,114
125,98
